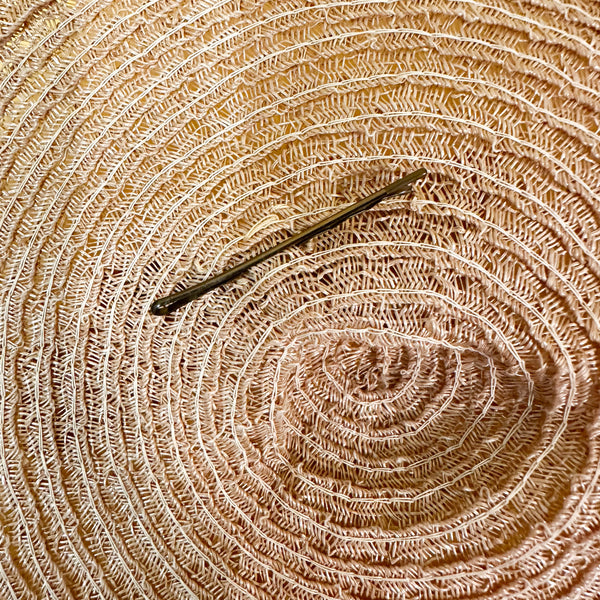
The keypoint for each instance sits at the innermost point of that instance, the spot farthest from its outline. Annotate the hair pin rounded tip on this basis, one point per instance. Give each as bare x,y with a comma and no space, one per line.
160,307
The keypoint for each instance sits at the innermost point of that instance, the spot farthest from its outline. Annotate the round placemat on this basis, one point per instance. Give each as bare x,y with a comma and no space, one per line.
404,408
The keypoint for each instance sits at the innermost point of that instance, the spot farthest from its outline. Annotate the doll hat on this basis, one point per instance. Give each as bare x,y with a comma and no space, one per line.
407,407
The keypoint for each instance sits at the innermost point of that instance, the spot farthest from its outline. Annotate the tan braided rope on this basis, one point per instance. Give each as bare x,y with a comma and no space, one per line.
405,408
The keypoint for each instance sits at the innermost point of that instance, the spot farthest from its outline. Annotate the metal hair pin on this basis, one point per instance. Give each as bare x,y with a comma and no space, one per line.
169,304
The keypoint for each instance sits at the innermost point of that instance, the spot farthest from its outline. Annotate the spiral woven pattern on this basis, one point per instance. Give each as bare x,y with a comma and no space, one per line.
407,407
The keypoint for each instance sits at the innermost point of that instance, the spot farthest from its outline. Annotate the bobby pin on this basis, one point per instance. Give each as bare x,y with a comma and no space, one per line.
169,304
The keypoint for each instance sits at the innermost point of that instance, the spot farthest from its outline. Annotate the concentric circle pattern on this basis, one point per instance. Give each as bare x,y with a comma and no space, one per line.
407,407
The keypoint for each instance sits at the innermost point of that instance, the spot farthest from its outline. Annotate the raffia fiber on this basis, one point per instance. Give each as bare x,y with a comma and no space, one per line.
405,408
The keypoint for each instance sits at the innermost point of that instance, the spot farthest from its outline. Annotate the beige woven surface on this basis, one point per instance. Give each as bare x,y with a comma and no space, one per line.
407,408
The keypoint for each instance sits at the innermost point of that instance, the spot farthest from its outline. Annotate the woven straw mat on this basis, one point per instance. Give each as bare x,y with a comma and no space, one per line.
406,407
